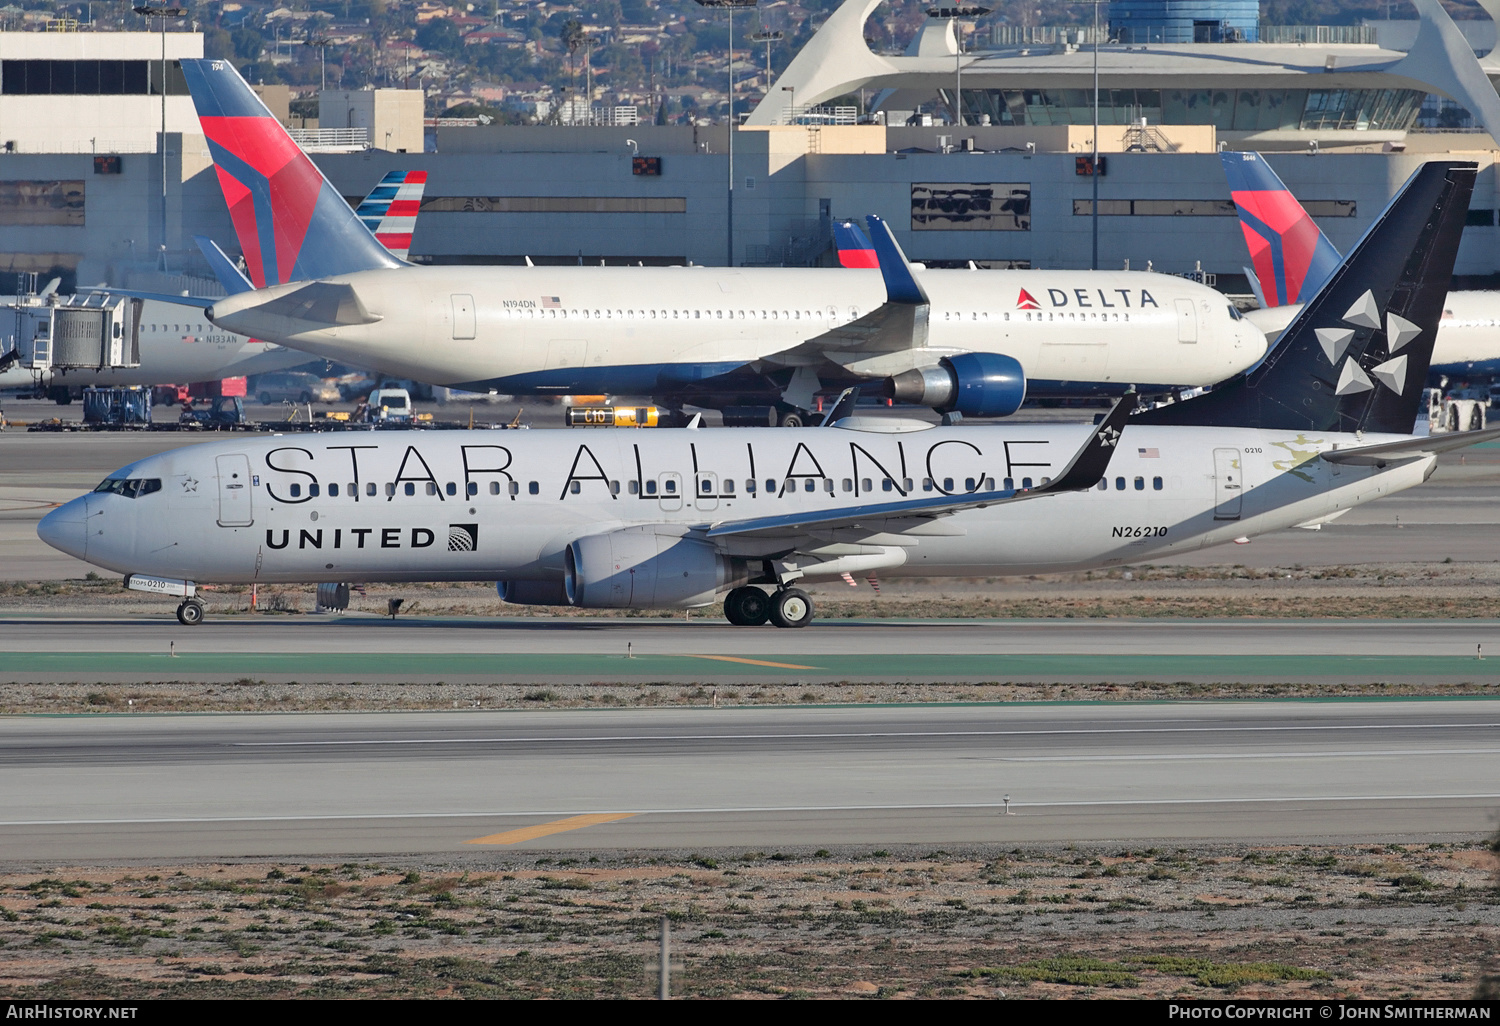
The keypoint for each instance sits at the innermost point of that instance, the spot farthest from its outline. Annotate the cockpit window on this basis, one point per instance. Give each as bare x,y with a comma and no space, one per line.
131,488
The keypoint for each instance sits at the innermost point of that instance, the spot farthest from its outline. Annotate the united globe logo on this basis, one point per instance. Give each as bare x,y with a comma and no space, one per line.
463,537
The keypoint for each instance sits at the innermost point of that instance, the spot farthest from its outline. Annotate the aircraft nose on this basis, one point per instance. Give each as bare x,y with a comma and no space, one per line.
66,528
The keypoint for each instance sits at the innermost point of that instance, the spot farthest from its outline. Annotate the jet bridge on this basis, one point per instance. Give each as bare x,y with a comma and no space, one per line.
50,333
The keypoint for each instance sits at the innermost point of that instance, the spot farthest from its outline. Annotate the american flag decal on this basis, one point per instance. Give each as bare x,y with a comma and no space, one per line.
551,302
1149,454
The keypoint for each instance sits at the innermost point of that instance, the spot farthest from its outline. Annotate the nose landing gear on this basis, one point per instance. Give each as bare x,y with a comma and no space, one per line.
190,613
751,607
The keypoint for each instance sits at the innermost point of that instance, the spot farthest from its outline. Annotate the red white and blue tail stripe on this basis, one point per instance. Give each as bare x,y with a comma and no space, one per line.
390,211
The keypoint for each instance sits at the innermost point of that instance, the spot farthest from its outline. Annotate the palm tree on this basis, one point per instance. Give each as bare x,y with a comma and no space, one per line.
572,38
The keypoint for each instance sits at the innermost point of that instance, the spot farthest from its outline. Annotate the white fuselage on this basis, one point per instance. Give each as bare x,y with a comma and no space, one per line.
1468,337
648,330
178,345
389,506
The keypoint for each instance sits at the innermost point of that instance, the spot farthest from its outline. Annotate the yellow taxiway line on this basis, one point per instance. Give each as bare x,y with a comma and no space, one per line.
557,826
754,662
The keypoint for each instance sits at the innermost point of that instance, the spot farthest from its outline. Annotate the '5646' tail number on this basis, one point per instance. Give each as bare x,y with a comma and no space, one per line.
1140,532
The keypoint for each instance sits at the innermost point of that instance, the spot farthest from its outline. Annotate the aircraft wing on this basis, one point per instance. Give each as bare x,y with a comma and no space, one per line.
1084,471
898,324
1408,448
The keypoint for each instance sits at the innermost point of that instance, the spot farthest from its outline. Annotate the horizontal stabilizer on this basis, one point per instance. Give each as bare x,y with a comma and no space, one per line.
229,276
1408,448
320,303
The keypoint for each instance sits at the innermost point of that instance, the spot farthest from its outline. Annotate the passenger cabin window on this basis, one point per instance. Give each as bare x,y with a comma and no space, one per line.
333,491
1025,482
369,487
669,486
432,488
947,484
296,490
411,488
576,487
312,490
451,488
635,487
1156,481
1119,484
1140,484
728,486
533,488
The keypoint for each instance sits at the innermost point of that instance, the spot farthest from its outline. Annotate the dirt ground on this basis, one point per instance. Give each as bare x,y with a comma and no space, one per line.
1359,921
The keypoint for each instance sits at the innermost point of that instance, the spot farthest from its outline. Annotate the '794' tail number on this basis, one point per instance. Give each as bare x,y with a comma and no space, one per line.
1140,532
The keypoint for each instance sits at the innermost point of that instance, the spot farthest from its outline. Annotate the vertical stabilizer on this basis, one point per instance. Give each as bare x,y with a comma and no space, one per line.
1291,256
390,211
291,222
1356,357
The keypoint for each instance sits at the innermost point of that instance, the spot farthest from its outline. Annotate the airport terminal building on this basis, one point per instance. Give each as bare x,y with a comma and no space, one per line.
1000,183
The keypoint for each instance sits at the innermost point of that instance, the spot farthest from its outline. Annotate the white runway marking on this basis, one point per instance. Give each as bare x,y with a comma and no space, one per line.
740,810
854,735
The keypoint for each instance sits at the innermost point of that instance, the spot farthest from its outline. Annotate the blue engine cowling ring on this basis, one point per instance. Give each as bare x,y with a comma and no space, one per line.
985,384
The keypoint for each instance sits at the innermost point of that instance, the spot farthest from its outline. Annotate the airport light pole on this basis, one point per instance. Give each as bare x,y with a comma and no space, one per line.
768,38
1094,159
953,14
164,13
729,5
321,42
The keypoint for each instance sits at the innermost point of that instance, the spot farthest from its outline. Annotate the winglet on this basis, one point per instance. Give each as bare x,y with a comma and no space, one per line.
900,284
843,408
1090,463
230,276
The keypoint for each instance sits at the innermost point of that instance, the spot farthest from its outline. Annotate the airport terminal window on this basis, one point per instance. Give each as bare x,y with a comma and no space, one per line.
1156,483
88,78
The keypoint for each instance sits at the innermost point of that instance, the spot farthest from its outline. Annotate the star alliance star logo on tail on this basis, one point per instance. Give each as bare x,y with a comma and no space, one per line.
1108,437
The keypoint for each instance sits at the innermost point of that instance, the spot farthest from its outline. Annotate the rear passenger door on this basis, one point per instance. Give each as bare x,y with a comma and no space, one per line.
235,503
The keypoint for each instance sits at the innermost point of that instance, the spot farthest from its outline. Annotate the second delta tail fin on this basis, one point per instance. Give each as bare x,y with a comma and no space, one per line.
1356,357
1291,256
292,223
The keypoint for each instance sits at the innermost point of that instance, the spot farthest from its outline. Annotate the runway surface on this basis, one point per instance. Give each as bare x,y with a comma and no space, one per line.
369,648
87,788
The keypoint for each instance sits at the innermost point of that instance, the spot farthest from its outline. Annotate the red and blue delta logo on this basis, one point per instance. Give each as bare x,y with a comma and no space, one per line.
1026,301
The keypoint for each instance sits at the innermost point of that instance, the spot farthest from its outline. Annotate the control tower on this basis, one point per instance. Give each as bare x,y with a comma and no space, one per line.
1184,21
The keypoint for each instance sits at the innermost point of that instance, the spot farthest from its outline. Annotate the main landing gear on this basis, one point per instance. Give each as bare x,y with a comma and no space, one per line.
190,613
751,607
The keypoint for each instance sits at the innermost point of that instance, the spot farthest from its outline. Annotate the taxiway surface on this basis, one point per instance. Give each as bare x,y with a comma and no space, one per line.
88,788
586,650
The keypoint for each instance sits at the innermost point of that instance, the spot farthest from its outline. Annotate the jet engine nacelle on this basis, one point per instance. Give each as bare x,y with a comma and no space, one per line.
974,384
643,568
532,593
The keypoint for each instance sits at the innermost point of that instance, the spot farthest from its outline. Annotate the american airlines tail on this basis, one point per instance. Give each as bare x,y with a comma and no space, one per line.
1291,257
292,223
390,211
1356,357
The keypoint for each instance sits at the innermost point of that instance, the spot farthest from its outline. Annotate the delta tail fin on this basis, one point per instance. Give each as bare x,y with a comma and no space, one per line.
1356,356
854,246
1291,255
292,223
